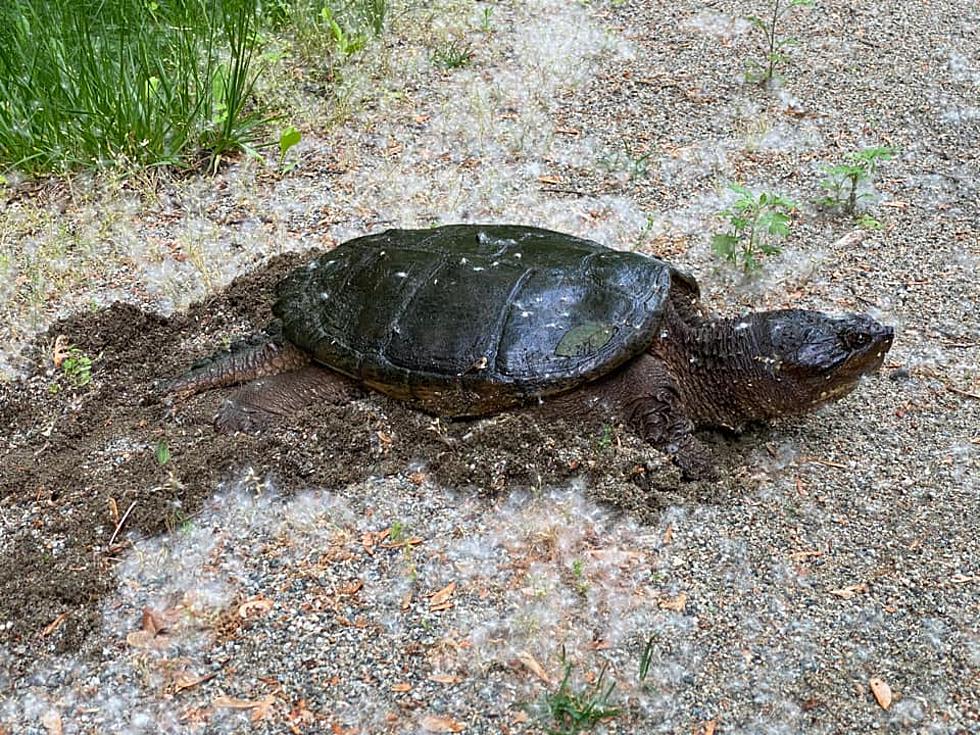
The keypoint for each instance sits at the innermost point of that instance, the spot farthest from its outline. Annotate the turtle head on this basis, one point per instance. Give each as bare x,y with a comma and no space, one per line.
822,357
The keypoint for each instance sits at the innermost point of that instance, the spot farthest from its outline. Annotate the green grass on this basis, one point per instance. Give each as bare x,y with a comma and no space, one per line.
573,712
137,83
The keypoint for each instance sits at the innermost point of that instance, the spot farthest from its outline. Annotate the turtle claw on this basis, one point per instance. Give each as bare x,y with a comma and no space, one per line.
693,459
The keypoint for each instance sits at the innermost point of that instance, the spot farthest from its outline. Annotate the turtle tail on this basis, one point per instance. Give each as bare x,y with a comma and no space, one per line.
243,362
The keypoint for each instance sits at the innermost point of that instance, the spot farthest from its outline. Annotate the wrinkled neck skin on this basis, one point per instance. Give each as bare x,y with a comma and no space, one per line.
724,372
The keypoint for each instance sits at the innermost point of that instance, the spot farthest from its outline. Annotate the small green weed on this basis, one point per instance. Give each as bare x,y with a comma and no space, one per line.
578,572
605,439
486,19
755,221
287,139
842,181
573,712
161,452
347,43
397,532
635,164
867,222
453,55
646,658
776,46
76,366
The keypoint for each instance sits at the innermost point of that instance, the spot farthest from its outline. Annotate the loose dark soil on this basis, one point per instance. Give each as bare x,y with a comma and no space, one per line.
76,459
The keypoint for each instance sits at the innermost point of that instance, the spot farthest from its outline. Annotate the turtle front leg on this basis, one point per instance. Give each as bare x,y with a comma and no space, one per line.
648,401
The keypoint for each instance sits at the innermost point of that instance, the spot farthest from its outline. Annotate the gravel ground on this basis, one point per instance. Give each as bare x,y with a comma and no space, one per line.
344,576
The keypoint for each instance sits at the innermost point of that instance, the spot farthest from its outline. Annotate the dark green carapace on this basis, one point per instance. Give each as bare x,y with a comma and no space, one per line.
471,319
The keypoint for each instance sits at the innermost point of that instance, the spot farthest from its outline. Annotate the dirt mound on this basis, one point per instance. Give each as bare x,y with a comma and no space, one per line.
78,459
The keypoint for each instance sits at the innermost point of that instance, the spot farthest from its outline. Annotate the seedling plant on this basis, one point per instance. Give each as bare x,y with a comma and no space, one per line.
843,180
776,45
572,712
755,222
287,139
453,55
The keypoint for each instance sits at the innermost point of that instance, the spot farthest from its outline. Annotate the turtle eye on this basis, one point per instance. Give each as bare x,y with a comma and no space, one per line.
855,340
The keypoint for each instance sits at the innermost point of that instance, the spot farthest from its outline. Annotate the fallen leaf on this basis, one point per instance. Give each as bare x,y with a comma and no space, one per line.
709,727
350,588
441,600
52,722
61,350
669,534
533,666
401,687
114,511
434,723
852,590
255,607
882,692
677,604
234,703
153,622
261,708
184,681
54,625
444,678
143,639
553,180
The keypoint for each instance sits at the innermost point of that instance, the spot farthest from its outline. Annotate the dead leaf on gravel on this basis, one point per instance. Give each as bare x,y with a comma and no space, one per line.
153,626
54,625
52,722
964,578
185,680
852,590
61,350
401,687
527,658
261,708
350,588
882,692
708,728
153,621
669,534
434,723
677,604
445,678
441,600
254,608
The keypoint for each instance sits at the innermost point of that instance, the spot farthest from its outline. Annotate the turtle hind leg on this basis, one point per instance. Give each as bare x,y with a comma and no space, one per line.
244,362
265,400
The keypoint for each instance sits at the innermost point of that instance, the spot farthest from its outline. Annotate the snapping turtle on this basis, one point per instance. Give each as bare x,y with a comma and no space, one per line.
469,320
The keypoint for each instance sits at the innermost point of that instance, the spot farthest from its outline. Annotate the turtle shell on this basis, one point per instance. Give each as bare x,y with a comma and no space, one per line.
464,320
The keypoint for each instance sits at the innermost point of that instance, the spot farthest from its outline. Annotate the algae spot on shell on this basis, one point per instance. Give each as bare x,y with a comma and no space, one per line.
585,339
